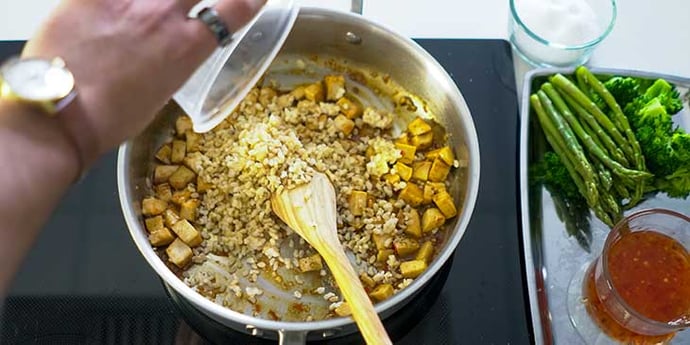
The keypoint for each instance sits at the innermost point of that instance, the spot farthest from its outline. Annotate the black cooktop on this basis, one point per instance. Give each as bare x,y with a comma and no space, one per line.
84,281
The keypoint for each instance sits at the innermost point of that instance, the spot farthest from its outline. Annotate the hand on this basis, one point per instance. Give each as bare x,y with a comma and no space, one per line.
128,57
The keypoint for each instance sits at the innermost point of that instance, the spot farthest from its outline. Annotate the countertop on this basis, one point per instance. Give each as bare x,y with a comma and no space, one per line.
650,36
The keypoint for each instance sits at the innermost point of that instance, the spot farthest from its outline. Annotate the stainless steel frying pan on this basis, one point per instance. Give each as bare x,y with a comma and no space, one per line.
374,58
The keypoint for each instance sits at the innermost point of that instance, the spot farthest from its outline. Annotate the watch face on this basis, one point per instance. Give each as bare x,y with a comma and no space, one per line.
38,79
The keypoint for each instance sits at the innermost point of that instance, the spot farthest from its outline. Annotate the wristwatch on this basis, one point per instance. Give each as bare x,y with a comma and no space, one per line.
45,83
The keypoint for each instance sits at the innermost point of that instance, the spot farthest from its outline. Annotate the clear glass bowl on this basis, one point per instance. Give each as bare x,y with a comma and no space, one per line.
542,52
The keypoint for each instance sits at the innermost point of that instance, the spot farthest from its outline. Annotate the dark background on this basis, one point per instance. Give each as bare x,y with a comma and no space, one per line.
84,281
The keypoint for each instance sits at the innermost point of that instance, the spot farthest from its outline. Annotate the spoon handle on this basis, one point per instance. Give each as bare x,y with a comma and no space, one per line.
353,292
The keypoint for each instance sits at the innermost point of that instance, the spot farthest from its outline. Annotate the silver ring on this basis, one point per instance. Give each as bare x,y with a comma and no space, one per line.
210,17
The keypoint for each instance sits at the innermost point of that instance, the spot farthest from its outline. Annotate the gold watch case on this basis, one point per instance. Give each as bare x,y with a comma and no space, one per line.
46,83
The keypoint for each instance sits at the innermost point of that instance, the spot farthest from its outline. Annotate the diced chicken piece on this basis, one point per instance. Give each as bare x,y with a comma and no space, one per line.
391,178
170,218
186,232
161,237
163,154
412,269
358,202
446,154
193,141
266,96
153,224
407,151
421,170
178,151
164,192
343,124
179,253
193,162
298,93
188,209
433,154
432,219
428,194
423,141
418,127
182,125
439,171
311,263
366,280
335,87
381,292
403,170
377,118
383,254
343,309
180,196
425,252
201,185
405,246
349,108
414,224
412,194
445,204
380,241
153,206
163,172
404,139
314,92
181,177
438,187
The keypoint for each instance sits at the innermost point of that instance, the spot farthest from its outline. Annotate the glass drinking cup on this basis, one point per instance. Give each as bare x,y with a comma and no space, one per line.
542,52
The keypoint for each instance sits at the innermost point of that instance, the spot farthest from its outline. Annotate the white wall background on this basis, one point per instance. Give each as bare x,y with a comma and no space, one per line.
649,35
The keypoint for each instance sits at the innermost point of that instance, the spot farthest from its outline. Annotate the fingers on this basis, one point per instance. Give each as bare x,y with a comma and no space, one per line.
234,13
187,5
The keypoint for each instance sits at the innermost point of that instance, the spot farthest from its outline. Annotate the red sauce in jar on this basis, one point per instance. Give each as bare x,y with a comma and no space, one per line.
651,273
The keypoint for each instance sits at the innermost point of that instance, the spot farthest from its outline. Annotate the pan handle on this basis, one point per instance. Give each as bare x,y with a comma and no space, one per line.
357,6
292,337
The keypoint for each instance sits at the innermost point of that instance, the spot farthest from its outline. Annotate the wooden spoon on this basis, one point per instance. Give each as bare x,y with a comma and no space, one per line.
310,211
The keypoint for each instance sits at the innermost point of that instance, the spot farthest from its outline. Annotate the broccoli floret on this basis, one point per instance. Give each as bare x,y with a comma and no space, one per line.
680,144
676,185
551,172
666,149
667,95
651,114
654,130
623,89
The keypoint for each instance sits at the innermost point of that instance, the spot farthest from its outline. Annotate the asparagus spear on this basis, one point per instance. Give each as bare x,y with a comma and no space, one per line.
594,136
610,205
588,190
568,136
604,174
586,139
589,119
565,85
620,189
618,115
598,87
